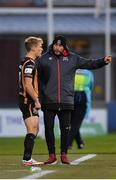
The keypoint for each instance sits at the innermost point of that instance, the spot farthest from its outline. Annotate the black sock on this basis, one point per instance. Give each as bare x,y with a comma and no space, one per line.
28,146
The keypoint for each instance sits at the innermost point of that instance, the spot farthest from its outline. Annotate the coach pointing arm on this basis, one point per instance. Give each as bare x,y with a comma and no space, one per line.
56,69
84,63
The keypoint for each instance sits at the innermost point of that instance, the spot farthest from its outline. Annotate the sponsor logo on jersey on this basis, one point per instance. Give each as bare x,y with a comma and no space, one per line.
28,70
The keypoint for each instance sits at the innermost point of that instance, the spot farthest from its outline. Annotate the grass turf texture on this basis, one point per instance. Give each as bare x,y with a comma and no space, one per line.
103,166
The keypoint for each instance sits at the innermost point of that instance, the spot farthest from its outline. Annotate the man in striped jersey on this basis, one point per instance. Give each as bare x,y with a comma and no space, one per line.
28,95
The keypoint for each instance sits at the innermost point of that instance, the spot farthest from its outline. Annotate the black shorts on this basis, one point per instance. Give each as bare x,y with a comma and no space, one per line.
27,109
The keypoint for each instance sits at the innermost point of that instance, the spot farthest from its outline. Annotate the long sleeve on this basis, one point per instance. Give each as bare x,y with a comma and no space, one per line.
84,63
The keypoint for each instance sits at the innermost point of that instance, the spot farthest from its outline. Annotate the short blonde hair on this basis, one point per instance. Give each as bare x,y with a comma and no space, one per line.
32,41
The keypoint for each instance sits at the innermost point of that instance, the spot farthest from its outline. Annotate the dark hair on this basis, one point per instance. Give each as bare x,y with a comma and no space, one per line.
60,39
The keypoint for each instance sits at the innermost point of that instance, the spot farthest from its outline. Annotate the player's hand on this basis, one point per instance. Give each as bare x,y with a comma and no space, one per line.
37,105
108,59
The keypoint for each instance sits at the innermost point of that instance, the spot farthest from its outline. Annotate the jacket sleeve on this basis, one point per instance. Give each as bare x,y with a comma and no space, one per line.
84,63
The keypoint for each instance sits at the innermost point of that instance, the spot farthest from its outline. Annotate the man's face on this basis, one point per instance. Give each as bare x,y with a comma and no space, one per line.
38,49
58,48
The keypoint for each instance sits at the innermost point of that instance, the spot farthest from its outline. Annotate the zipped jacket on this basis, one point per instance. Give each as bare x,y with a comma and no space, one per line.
56,78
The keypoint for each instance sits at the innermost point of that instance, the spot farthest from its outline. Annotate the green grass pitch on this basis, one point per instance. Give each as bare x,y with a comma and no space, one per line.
103,166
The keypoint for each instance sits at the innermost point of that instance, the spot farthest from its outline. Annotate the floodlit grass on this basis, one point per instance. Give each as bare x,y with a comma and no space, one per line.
103,166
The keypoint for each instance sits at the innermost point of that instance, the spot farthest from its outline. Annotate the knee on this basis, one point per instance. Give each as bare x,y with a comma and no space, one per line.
48,127
66,129
33,130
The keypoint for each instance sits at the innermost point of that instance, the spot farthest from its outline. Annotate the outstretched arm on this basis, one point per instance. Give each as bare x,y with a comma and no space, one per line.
84,63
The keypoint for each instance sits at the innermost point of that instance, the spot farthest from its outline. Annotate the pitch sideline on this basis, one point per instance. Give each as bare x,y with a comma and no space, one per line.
38,174
44,172
83,158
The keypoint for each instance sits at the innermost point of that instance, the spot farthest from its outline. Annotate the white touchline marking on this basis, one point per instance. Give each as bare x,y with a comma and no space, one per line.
38,174
84,158
41,173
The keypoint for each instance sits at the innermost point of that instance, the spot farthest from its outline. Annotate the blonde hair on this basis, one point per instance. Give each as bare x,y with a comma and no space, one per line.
32,41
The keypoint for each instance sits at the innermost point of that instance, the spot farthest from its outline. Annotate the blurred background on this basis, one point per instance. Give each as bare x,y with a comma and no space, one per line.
90,28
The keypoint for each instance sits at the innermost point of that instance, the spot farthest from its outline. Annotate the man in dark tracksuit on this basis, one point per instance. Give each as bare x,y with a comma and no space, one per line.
56,77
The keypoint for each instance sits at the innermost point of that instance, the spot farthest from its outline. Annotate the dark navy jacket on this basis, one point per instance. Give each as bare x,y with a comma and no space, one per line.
56,78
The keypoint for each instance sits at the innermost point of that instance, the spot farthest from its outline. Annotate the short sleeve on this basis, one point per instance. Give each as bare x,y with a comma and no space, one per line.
28,69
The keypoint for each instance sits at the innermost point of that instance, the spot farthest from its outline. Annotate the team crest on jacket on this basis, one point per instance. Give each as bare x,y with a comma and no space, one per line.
65,58
50,58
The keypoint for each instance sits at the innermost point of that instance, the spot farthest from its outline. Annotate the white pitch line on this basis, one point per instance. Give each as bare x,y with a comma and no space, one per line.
84,158
44,172
39,174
